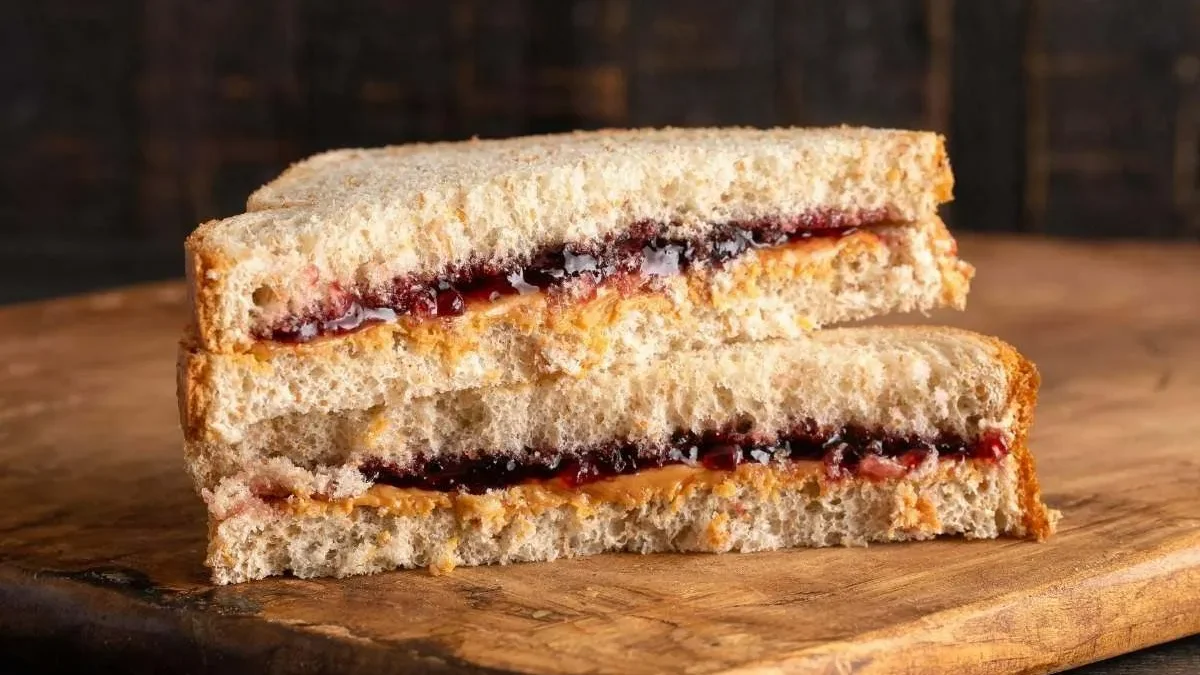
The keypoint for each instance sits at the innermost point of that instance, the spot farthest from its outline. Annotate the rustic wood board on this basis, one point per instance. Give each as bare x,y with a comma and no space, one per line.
101,537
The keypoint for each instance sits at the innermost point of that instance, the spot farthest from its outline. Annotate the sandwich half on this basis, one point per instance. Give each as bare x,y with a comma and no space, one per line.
838,437
367,277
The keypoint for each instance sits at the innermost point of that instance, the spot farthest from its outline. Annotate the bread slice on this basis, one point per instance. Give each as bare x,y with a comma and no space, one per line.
352,494
911,381
353,221
767,294
751,509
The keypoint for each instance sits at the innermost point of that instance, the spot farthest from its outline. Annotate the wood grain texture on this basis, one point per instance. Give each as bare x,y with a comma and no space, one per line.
101,538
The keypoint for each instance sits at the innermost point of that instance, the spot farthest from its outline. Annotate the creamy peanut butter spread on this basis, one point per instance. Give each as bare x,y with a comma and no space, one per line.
910,500
670,484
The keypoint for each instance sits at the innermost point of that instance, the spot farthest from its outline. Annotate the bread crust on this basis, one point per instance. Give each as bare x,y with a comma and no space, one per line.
368,216
1025,380
204,268
192,390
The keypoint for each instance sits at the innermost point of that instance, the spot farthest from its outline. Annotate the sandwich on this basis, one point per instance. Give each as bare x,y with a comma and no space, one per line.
517,350
843,437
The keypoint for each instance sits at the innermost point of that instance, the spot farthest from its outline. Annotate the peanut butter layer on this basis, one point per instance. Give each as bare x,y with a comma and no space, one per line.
554,317
670,484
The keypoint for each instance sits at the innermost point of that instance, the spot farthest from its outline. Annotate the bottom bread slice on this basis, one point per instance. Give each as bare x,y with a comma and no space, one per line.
674,508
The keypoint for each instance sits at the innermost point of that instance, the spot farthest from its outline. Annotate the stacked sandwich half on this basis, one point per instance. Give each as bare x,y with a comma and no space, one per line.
517,350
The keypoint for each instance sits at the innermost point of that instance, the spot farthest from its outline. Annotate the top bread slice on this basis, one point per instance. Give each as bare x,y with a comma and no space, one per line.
361,218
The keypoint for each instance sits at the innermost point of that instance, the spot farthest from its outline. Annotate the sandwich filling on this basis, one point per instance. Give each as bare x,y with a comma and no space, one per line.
641,254
849,451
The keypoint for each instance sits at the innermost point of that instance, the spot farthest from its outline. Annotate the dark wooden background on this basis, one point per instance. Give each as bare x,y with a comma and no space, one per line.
126,122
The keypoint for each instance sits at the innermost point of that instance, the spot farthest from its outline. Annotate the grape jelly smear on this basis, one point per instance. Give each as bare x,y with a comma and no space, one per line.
845,452
640,254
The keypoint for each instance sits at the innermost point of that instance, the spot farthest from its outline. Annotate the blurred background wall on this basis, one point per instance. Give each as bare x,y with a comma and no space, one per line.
126,122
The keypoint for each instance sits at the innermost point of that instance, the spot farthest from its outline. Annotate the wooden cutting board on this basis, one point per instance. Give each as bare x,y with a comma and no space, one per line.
101,537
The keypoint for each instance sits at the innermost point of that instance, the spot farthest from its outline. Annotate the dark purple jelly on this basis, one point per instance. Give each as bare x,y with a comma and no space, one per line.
845,452
641,254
